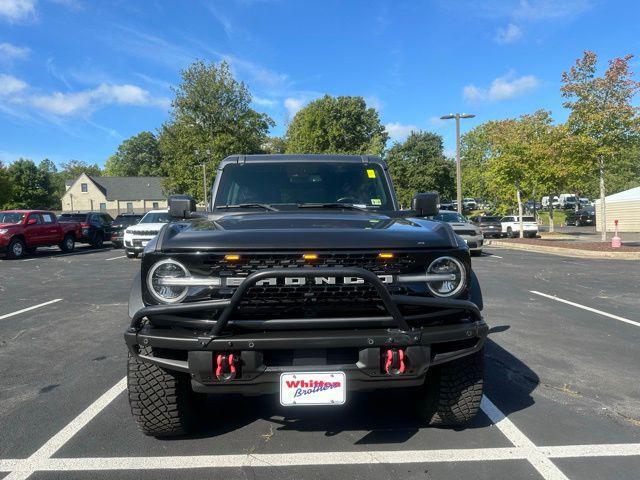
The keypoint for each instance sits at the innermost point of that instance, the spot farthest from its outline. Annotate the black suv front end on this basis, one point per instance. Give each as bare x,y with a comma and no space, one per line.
288,311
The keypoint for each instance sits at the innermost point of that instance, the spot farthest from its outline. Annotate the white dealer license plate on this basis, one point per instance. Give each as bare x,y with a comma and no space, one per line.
313,388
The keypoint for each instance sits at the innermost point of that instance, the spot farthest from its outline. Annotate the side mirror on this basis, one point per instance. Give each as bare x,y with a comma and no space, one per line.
32,221
181,206
426,204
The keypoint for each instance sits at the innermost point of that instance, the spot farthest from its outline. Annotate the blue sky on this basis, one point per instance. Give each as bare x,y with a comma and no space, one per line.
77,76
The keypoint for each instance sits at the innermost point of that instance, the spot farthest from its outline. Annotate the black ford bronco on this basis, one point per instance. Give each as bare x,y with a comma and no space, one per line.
305,279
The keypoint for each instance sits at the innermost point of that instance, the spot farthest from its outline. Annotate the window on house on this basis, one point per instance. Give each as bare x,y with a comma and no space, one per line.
130,207
84,187
155,205
103,206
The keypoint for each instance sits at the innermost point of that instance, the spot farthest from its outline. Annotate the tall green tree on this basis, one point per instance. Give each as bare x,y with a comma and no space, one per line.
601,114
31,187
5,186
337,125
419,165
211,118
136,156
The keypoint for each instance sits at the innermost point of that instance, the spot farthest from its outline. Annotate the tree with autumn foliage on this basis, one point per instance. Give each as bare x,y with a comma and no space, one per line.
603,122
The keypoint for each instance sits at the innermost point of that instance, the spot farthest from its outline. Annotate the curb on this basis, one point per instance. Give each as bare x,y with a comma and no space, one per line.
565,252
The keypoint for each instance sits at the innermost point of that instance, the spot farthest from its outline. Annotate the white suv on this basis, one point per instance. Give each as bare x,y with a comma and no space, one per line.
511,226
137,236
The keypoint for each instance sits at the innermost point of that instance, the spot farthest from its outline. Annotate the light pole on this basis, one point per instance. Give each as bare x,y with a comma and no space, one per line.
458,116
204,177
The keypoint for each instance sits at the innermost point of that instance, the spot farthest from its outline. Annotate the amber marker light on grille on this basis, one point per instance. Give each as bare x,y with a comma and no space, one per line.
310,256
232,257
385,255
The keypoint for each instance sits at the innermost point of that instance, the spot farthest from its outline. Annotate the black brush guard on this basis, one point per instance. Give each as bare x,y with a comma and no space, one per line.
392,331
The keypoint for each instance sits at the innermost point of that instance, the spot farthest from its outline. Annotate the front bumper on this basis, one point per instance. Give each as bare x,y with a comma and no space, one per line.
136,244
351,345
474,242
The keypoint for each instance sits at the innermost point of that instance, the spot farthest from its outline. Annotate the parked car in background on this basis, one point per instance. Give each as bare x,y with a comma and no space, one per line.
23,231
511,226
532,206
447,206
490,226
568,201
469,204
463,227
119,225
137,236
554,202
584,216
96,226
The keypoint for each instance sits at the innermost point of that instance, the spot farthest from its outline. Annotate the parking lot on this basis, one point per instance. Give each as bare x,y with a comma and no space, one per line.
562,389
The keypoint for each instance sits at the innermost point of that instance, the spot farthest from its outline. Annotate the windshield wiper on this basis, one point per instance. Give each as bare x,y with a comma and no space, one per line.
264,206
346,206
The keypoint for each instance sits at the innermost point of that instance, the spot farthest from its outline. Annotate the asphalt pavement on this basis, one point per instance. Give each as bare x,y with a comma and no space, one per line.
561,387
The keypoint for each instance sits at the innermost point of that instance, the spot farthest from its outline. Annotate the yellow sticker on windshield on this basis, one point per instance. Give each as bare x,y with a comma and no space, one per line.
376,201
371,173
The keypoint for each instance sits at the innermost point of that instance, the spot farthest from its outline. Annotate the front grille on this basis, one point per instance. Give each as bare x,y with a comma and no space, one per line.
310,301
144,233
471,233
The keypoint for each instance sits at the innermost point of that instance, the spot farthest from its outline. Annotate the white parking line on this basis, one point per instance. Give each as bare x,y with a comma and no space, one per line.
7,315
63,436
589,309
115,258
545,467
523,449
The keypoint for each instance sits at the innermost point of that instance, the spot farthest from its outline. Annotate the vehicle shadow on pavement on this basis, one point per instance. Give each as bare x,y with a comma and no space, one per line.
388,416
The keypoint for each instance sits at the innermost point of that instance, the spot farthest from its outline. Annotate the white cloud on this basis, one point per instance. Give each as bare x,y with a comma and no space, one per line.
398,131
10,52
511,33
550,9
10,85
77,103
502,88
265,102
17,10
86,101
293,106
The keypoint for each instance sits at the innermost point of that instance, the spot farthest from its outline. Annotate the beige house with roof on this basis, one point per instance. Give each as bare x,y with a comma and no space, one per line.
114,195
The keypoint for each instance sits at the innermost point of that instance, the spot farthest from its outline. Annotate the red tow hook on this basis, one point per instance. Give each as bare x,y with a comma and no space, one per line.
394,361
225,367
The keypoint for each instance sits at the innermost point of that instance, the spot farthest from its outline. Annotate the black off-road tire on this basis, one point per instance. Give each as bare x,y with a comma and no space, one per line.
162,401
510,232
453,391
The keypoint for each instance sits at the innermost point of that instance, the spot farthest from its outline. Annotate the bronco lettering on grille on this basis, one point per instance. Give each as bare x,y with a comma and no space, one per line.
297,281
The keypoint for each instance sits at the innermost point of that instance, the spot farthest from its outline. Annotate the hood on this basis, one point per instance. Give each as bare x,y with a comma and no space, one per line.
9,225
308,231
146,226
463,226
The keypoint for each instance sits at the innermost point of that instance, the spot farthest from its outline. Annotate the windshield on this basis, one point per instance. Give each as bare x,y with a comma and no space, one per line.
295,183
160,217
450,217
75,217
11,217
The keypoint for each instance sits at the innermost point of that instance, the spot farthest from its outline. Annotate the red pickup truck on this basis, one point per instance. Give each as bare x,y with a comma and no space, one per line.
22,231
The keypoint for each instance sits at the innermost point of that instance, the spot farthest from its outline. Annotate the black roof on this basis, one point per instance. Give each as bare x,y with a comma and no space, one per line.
306,157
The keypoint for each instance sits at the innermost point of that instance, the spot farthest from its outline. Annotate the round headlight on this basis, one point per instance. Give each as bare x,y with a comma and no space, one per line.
165,270
443,266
